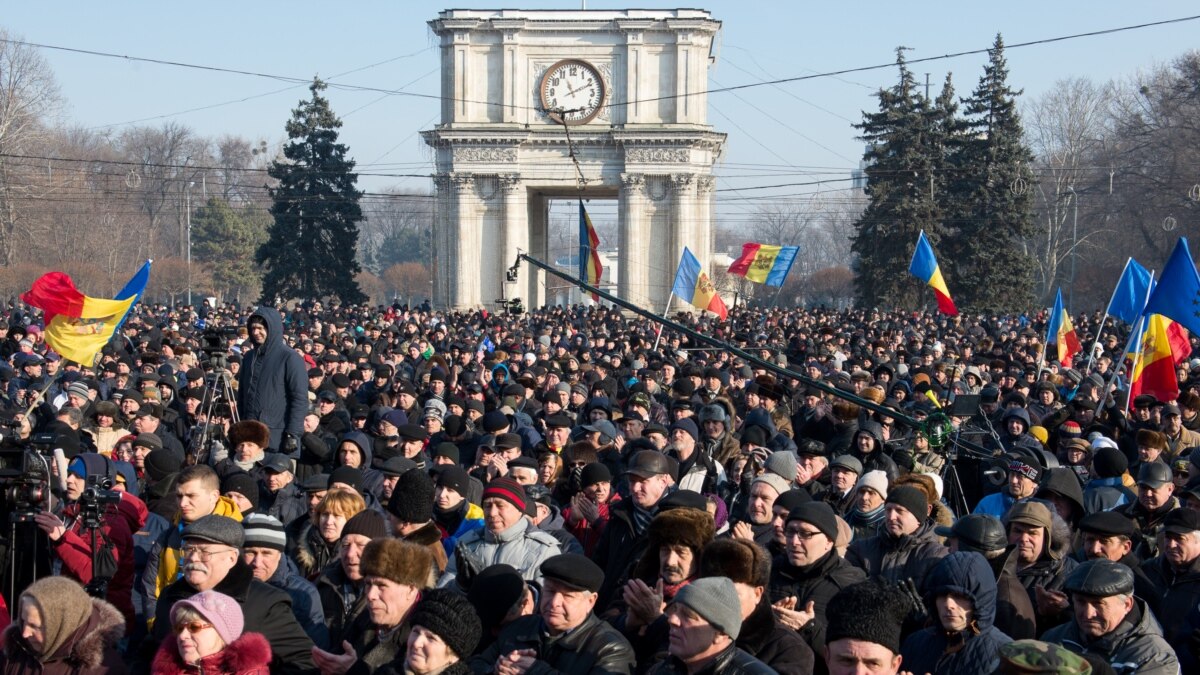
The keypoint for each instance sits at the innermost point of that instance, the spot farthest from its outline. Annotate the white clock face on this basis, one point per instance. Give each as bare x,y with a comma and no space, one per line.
572,92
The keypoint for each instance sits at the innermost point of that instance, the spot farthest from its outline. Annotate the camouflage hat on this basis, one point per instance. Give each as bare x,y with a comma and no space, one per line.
1032,656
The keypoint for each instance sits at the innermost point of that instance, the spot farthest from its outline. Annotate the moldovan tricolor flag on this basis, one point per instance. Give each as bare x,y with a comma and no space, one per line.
1061,332
589,251
925,267
1164,344
765,264
692,285
78,326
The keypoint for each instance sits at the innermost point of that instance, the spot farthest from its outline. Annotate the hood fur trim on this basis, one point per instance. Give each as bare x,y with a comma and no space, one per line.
249,652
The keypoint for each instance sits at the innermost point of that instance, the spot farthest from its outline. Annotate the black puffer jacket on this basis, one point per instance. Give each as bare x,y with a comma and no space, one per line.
732,661
1177,597
273,383
974,651
894,559
817,583
593,648
619,548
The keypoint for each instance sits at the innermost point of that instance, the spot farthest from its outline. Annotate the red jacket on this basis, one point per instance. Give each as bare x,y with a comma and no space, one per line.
74,549
250,654
587,533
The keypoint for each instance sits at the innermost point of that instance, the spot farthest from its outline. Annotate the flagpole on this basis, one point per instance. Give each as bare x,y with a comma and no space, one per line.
662,327
1045,342
1137,328
1096,340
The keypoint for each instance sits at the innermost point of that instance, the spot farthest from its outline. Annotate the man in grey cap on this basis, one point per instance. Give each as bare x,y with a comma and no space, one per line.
212,561
1108,620
1155,499
843,475
705,619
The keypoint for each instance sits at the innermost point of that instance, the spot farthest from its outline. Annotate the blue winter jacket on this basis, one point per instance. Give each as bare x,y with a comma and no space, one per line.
306,601
928,650
273,383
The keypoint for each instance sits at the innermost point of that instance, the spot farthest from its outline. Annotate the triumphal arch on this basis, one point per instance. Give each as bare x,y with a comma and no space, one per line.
541,105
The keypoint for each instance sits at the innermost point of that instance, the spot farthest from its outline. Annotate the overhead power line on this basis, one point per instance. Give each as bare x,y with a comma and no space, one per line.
748,85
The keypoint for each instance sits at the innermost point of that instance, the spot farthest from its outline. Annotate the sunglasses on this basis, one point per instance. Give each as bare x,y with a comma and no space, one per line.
192,627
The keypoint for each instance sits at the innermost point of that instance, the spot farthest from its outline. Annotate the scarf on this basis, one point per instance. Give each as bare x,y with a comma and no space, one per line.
641,519
865,518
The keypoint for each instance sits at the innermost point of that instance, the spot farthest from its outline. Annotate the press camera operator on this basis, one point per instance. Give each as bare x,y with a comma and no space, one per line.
89,503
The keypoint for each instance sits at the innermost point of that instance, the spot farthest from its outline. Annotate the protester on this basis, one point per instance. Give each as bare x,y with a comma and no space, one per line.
207,638
61,631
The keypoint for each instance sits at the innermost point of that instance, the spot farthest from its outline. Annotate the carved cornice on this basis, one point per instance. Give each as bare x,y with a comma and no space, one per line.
658,155
483,153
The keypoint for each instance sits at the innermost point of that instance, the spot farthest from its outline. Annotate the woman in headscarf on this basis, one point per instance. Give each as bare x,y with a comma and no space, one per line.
60,630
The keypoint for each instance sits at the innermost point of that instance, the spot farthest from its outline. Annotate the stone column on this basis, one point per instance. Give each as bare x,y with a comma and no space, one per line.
633,240
466,244
683,217
703,219
443,223
515,228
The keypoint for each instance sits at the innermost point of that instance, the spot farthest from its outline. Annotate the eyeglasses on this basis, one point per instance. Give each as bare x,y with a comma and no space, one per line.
802,535
201,554
192,627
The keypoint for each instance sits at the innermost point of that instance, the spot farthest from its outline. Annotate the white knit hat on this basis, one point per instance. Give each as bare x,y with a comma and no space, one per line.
876,480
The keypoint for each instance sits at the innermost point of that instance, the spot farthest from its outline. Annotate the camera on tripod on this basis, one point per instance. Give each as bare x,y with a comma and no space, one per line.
513,306
214,343
97,496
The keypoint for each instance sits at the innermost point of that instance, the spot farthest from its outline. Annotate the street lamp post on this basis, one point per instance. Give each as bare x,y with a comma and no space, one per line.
189,239
1074,244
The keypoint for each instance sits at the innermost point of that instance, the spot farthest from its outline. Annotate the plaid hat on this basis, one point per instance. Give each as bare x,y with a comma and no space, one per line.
263,531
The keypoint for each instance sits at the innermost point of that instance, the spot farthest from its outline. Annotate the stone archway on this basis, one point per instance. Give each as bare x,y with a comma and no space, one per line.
499,158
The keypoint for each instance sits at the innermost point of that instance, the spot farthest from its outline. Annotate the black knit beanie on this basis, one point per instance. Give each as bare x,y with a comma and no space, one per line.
451,617
1109,462
368,523
412,498
912,499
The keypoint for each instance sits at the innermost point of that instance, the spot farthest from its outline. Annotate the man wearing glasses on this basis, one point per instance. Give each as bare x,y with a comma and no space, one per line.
211,560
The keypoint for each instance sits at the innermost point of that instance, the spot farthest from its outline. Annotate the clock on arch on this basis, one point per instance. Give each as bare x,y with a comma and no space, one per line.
572,92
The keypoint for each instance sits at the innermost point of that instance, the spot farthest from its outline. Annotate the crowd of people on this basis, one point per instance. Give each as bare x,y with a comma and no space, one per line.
362,490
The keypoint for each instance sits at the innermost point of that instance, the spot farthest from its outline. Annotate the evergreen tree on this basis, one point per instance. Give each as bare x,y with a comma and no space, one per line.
226,239
993,272
905,140
311,249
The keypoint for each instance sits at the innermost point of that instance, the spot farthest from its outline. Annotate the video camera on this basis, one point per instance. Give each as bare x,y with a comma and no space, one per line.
214,343
24,472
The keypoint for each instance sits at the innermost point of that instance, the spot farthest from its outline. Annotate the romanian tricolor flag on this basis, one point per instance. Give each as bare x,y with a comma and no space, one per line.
1061,332
924,266
78,326
589,252
1164,345
765,264
692,285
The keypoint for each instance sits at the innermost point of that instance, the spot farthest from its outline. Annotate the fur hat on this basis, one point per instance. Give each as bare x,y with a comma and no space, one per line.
742,561
677,527
412,499
399,561
869,612
1152,439
250,431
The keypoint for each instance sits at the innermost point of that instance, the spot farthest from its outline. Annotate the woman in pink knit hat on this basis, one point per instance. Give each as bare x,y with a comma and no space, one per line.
207,638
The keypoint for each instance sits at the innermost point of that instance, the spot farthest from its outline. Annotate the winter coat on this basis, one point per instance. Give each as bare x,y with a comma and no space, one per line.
620,547
1136,641
74,549
162,565
776,645
311,552
471,521
273,382
1016,615
378,653
306,602
249,654
266,609
1106,494
522,545
144,541
286,505
816,583
1177,597
91,650
587,533
593,648
974,651
339,616
372,480
1148,525
554,526
894,559
731,661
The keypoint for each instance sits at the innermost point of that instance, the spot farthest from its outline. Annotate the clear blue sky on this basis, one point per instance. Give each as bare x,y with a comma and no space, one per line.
798,128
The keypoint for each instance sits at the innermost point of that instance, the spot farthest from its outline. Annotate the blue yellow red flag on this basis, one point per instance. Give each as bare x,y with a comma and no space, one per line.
590,268
692,285
924,266
764,263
